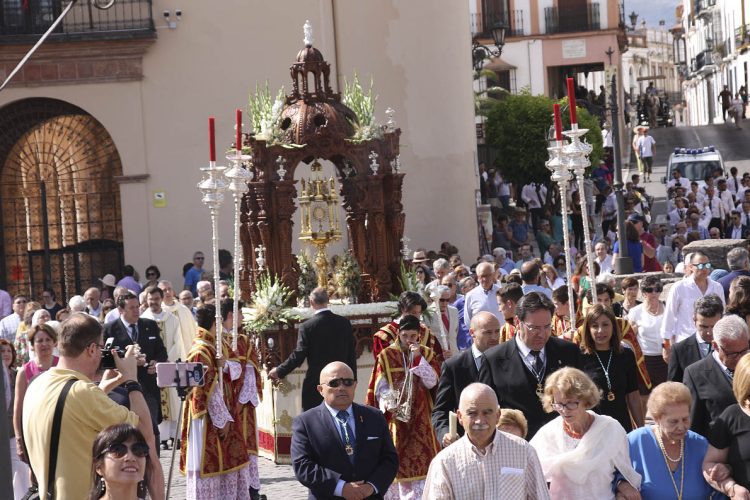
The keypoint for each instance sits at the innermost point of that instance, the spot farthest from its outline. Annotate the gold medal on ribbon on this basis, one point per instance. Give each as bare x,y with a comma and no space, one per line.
610,396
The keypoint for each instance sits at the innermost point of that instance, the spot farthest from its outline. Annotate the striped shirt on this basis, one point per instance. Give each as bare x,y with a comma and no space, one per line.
508,468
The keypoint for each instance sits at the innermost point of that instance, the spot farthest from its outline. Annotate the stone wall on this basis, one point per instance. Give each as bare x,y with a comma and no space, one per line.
716,250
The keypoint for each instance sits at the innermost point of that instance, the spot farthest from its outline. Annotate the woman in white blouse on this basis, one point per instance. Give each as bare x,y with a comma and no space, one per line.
580,451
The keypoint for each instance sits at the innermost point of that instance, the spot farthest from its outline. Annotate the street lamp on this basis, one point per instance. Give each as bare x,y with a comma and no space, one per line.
481,52
633,19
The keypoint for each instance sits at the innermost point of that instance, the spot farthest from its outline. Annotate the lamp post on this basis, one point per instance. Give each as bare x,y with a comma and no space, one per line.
480,52
624,263
633,19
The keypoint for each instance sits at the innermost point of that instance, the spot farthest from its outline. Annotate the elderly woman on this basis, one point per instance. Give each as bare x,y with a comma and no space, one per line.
611,366
726,466
646,319
120,464
571,448
668,455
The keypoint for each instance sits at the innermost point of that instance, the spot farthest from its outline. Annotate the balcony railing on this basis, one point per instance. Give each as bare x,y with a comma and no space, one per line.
570,20
703,59
742,35
516,23
703,6
22,20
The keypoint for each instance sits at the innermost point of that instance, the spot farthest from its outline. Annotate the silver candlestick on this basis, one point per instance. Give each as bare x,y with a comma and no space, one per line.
238,177
575,155
212,187
562,176
374,166
260,251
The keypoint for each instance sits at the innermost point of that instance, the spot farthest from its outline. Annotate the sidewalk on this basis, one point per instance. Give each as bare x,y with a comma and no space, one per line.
276,481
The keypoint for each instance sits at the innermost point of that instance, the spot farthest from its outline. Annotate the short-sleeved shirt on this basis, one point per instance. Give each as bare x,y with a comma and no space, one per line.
645,145
87,411
732,430
192,277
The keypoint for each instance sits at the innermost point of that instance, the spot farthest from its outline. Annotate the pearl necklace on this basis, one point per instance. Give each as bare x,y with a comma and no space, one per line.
681,490
664,449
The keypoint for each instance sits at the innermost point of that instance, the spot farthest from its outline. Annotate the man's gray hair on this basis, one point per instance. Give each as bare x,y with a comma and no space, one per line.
319,296
487,258
737,258
607,278
708,306
77,304
474,390
499,252
441,289
441,264
730,327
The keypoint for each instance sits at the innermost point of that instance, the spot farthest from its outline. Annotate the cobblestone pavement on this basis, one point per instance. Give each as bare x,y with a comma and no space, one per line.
277,481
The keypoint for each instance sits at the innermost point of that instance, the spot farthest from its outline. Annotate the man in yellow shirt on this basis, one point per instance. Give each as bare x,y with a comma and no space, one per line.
87,411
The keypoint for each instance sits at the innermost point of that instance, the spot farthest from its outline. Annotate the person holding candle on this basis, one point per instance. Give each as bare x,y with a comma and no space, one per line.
485,463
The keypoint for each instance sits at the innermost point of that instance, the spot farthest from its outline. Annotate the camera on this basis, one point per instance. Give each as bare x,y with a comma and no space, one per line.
180,375
108,360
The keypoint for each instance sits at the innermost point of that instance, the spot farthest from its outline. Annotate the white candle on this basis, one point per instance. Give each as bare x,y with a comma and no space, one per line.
452,424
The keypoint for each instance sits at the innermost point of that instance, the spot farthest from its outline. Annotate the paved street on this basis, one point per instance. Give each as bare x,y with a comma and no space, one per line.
277,481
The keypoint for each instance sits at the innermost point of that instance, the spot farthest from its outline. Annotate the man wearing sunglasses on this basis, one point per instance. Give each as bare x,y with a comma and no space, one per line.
710,380
677,323
193,275
341,448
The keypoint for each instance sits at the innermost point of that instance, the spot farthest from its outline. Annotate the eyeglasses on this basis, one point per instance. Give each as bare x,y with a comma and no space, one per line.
707,265
443,301
656,289
119,450
335,382
151,275
537,328
733,355
567,406
198,258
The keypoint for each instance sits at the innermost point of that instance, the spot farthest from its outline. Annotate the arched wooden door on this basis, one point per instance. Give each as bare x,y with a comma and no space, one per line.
60,206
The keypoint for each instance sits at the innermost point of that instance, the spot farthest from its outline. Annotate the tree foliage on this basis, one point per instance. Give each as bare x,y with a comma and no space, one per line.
517,126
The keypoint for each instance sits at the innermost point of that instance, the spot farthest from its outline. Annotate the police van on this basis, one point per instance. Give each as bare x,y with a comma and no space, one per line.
696,164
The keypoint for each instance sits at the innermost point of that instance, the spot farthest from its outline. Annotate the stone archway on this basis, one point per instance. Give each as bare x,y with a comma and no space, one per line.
60,205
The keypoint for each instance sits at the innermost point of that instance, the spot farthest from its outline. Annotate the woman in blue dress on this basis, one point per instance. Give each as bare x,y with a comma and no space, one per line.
668,455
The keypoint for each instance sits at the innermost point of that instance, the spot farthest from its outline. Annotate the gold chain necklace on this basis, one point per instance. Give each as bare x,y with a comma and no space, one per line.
669,470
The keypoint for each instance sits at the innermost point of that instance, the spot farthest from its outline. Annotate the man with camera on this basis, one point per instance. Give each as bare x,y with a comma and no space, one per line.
87,411
131,329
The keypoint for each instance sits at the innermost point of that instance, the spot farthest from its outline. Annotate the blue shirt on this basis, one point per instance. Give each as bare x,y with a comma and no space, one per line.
536,288
635,252
648,461
463,339
192,277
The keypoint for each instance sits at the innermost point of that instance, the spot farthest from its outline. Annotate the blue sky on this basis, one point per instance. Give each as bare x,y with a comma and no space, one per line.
652,11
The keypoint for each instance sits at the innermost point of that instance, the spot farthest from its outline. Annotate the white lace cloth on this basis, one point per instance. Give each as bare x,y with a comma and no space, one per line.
230,486
233,368
423,370
249,391
411,490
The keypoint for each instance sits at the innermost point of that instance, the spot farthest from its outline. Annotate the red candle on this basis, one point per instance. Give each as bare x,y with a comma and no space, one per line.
572,100
558,122
211,139
238,140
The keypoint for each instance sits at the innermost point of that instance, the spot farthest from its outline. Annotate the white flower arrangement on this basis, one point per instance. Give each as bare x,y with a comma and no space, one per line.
269,308
363,105
265,113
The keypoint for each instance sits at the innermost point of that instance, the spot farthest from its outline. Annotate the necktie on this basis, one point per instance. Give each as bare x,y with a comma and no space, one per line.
479,360
539,195
537,365
446,323
342,417
133,333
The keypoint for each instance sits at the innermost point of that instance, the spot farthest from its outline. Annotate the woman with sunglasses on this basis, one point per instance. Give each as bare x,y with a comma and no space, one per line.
580,451
611,366
646,319
152,277
121,464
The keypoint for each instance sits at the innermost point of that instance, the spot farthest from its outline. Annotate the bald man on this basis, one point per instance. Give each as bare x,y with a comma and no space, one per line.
341,448
483,297
461,370
485,461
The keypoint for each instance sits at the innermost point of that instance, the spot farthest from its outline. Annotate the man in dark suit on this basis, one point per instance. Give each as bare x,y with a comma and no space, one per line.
710,380
518,368
322,339
128,329
736,230
738,261
462,370
706,312
341,448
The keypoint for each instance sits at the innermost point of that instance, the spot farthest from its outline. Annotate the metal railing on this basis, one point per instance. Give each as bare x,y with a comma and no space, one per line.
742,35
20,19
570,20
516,23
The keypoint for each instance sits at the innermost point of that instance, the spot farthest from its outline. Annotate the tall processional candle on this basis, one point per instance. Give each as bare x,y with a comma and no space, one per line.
558,122
211,139
238,140
572,100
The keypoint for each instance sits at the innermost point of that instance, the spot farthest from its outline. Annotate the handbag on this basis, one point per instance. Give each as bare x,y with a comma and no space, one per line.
33,493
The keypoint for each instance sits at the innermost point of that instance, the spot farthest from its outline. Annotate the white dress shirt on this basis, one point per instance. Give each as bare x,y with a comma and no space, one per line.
605,266
678,313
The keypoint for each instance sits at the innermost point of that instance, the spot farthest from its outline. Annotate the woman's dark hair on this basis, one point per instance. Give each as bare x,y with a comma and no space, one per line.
205,316
407,300
187,267
426,273
155,270
600,288
533,302
739,297
594,313
628,283
115,434
51,333
583,265
12,350
631,233
560,294
409,322
558,261
650,281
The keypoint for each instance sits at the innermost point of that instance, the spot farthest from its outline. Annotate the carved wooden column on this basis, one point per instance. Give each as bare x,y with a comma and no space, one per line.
377,242
284,194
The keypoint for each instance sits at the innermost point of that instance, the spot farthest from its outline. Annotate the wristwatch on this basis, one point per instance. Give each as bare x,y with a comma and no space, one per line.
131,386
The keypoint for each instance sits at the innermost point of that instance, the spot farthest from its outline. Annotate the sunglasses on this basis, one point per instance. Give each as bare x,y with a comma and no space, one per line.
199,258
151,275
119,450
443,301
707,265
657,289
335,382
